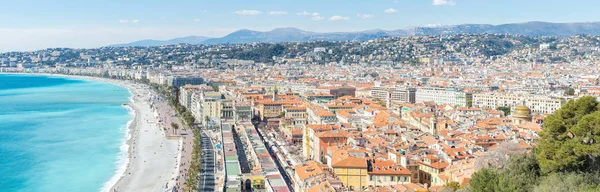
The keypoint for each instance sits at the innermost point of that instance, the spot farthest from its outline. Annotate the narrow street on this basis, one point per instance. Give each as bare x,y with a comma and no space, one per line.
207,172
241,152
282,172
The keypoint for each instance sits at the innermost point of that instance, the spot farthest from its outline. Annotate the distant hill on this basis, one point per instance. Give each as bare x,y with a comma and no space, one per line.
149,42
535,28
296,35
248,36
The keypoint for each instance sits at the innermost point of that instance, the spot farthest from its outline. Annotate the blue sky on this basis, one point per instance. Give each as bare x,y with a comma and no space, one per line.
38,24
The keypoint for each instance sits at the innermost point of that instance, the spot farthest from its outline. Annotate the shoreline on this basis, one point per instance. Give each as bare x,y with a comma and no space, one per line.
123,160
131,173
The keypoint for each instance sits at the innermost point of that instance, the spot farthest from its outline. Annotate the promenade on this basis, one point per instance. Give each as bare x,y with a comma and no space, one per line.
166,115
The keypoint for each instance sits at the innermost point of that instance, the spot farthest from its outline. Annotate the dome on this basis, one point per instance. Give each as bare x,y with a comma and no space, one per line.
521,111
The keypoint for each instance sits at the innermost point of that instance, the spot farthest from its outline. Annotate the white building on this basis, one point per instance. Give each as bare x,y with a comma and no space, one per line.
395,94
446,96
536,104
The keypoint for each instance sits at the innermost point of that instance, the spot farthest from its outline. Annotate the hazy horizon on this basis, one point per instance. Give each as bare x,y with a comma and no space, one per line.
40,24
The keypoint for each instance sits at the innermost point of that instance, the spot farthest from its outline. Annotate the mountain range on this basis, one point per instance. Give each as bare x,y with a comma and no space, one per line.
535,28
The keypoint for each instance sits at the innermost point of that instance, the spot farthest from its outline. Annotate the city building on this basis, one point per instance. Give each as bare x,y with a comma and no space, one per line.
446,96
178,81
353,173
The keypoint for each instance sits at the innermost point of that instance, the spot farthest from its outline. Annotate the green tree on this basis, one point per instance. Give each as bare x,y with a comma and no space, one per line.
485,180
521,174
175,126
506,110
579,182
569,138
570,91
453,185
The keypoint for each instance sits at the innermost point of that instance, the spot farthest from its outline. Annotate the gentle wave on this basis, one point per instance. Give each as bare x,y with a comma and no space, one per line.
123,157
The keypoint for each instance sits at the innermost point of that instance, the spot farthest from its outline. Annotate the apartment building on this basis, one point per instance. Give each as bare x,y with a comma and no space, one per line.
403,94
342,91
211,105
394,94
493,101
178,81
543,105
536,104
381,93
446,96
386,173
352,172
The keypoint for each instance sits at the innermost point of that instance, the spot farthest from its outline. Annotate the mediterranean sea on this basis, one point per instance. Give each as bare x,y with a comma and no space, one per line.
61,134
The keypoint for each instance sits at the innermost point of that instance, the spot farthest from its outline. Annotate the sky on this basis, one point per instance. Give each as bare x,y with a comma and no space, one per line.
38,24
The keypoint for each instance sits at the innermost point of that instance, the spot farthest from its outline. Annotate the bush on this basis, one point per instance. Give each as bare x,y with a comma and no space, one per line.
579,182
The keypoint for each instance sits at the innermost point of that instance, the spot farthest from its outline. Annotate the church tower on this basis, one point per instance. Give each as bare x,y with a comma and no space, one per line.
275,94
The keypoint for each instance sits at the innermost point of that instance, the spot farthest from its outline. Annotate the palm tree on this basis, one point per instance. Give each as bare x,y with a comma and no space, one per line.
175,127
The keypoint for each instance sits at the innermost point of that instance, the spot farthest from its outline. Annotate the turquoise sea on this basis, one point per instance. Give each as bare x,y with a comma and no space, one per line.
59,134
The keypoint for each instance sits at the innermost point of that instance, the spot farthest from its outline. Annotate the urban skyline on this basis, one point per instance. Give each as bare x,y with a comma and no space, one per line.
311,96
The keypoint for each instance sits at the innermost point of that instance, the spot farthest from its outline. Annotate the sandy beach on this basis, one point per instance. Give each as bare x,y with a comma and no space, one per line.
152,157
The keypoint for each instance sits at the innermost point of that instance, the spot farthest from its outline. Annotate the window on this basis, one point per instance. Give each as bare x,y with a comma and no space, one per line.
371,178
391,178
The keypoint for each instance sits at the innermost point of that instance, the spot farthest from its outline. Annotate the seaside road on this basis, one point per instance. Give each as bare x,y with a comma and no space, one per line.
207,173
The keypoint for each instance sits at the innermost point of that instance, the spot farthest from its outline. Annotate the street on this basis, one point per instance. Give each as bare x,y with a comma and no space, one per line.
241,152
207,172
282,172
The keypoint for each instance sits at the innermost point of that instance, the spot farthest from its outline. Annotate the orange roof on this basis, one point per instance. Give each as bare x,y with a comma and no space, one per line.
332,133
322,187
296,108
531,126
323,113
388,168
322,127
309,169
345,113
351,105
414,187
351,162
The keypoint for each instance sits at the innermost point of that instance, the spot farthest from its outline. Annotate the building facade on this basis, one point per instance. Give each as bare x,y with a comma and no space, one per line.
446,96
539,105
178,81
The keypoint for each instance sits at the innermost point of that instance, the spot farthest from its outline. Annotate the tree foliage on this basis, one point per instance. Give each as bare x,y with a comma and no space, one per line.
453,185
506,110
578,182
521,174
262,53
195,165
566,158
570,91
569,138
485,180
